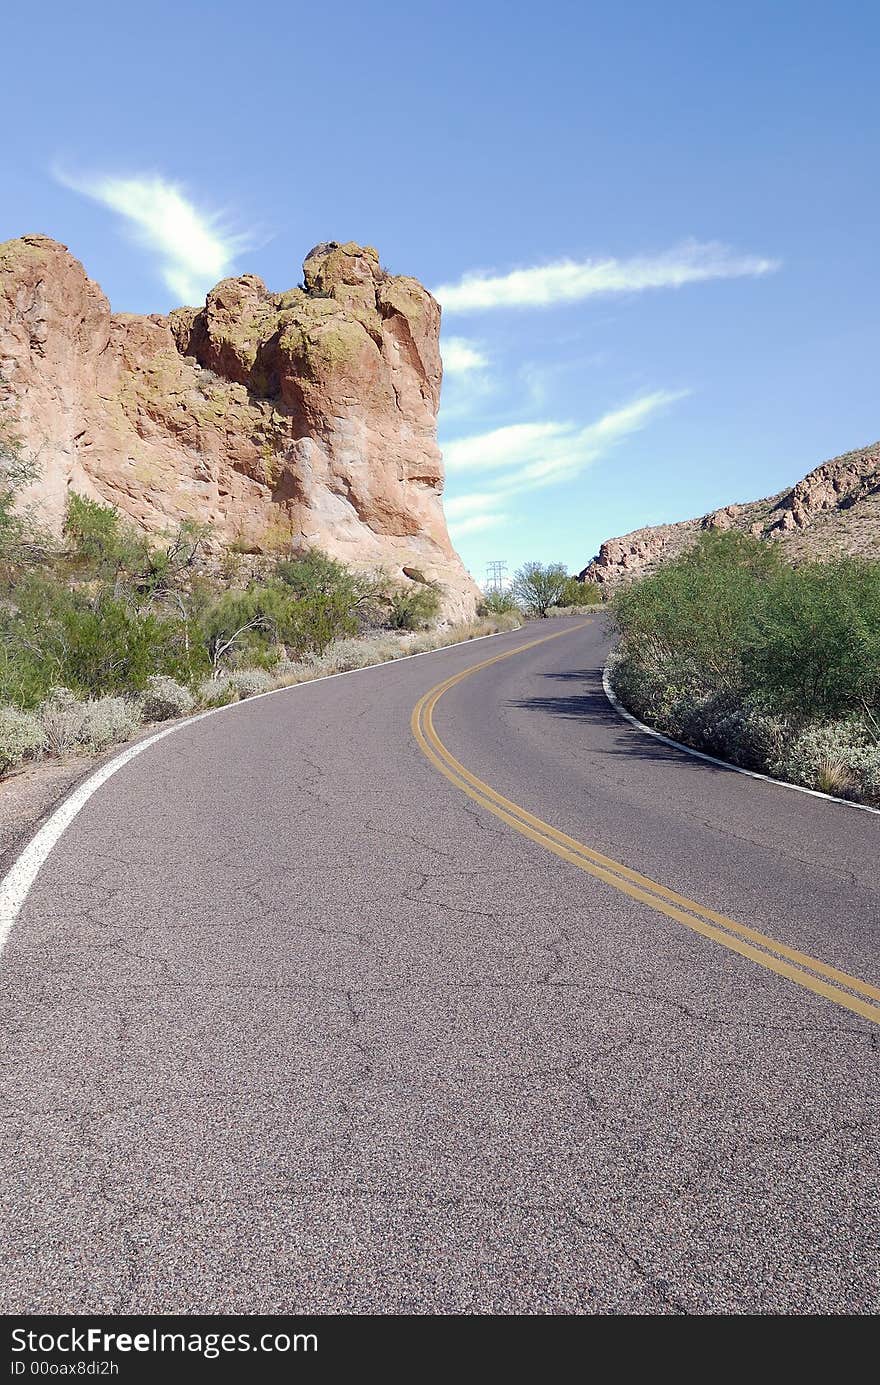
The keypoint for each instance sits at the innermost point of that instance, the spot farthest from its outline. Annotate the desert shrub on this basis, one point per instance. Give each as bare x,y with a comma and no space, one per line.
836,757
817,651
495,603
164,698
867,765
576,593
497,624
733,615
21,734
353,598
360,653
105,721
413,608
252,626
102,543
777,668
538,586
751,737
239,624
94,531
249,682
61,716
113,648
313,622
216,692
695,618
296,670
23,542
313,573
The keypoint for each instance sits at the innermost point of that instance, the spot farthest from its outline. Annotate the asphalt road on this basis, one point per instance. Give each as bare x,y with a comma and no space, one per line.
294,1025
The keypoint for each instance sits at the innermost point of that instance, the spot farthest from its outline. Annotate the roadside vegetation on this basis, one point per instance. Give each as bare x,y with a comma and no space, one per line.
734,651
541,590
107,630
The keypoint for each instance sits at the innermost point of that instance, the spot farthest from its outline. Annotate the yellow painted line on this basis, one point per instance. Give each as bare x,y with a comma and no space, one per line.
806,971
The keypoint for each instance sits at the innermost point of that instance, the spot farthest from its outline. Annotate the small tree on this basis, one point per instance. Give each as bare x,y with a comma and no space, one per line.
21,539
538,586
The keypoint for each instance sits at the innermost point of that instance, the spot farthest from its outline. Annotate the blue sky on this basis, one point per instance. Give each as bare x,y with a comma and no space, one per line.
654,228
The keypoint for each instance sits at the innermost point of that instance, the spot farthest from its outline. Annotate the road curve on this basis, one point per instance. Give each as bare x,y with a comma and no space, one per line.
294,1024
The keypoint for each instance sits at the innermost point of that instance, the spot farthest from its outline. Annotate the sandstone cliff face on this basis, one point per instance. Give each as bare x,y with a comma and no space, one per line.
304,418
834,510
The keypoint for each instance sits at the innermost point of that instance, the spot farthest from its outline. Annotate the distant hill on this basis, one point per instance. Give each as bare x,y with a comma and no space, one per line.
834,510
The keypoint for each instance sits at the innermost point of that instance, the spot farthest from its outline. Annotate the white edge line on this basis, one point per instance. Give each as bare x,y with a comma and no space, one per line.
21,875
713,760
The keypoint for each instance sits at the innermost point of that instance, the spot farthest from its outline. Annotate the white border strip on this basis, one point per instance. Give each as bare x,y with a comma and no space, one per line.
21,875
713,760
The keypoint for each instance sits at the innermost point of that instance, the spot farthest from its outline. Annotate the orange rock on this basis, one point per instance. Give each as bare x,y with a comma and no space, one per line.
298,418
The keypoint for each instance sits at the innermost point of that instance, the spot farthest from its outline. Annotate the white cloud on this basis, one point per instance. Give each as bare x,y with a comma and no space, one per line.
539,453
532,455
477,523
462,506
503,447
195,247
460,356
568,281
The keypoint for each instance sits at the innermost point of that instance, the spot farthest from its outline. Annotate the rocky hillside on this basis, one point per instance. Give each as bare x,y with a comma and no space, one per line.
835,509
306,417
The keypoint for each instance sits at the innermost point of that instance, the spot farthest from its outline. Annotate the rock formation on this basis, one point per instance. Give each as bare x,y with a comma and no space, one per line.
835,509
305,418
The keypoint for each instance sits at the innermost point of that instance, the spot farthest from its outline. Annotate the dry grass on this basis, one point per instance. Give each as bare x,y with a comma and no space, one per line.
835,778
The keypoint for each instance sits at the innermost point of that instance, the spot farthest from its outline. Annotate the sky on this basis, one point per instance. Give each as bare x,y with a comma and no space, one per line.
653,229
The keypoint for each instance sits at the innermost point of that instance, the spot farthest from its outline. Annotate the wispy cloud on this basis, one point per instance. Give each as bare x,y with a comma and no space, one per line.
568,281
504,447
461,356
534,454
194,247
461,507
522,457
475,524
470,514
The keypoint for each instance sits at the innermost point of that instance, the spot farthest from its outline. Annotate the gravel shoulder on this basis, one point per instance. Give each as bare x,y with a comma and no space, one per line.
29,794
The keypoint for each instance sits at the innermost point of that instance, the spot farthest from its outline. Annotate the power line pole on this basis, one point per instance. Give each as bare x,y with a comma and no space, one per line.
495,574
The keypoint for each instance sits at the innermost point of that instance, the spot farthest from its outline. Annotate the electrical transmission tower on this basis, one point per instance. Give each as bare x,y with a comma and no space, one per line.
495,574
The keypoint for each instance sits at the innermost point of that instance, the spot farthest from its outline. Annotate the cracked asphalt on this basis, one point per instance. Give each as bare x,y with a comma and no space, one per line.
291,1025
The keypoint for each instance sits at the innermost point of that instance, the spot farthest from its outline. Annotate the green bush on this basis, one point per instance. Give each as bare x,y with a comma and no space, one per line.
312,573
817,650
732,615
733,650
497,603
94,530
414,608
576,593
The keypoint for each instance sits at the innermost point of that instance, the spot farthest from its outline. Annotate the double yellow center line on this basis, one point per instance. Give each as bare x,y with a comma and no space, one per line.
809,972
